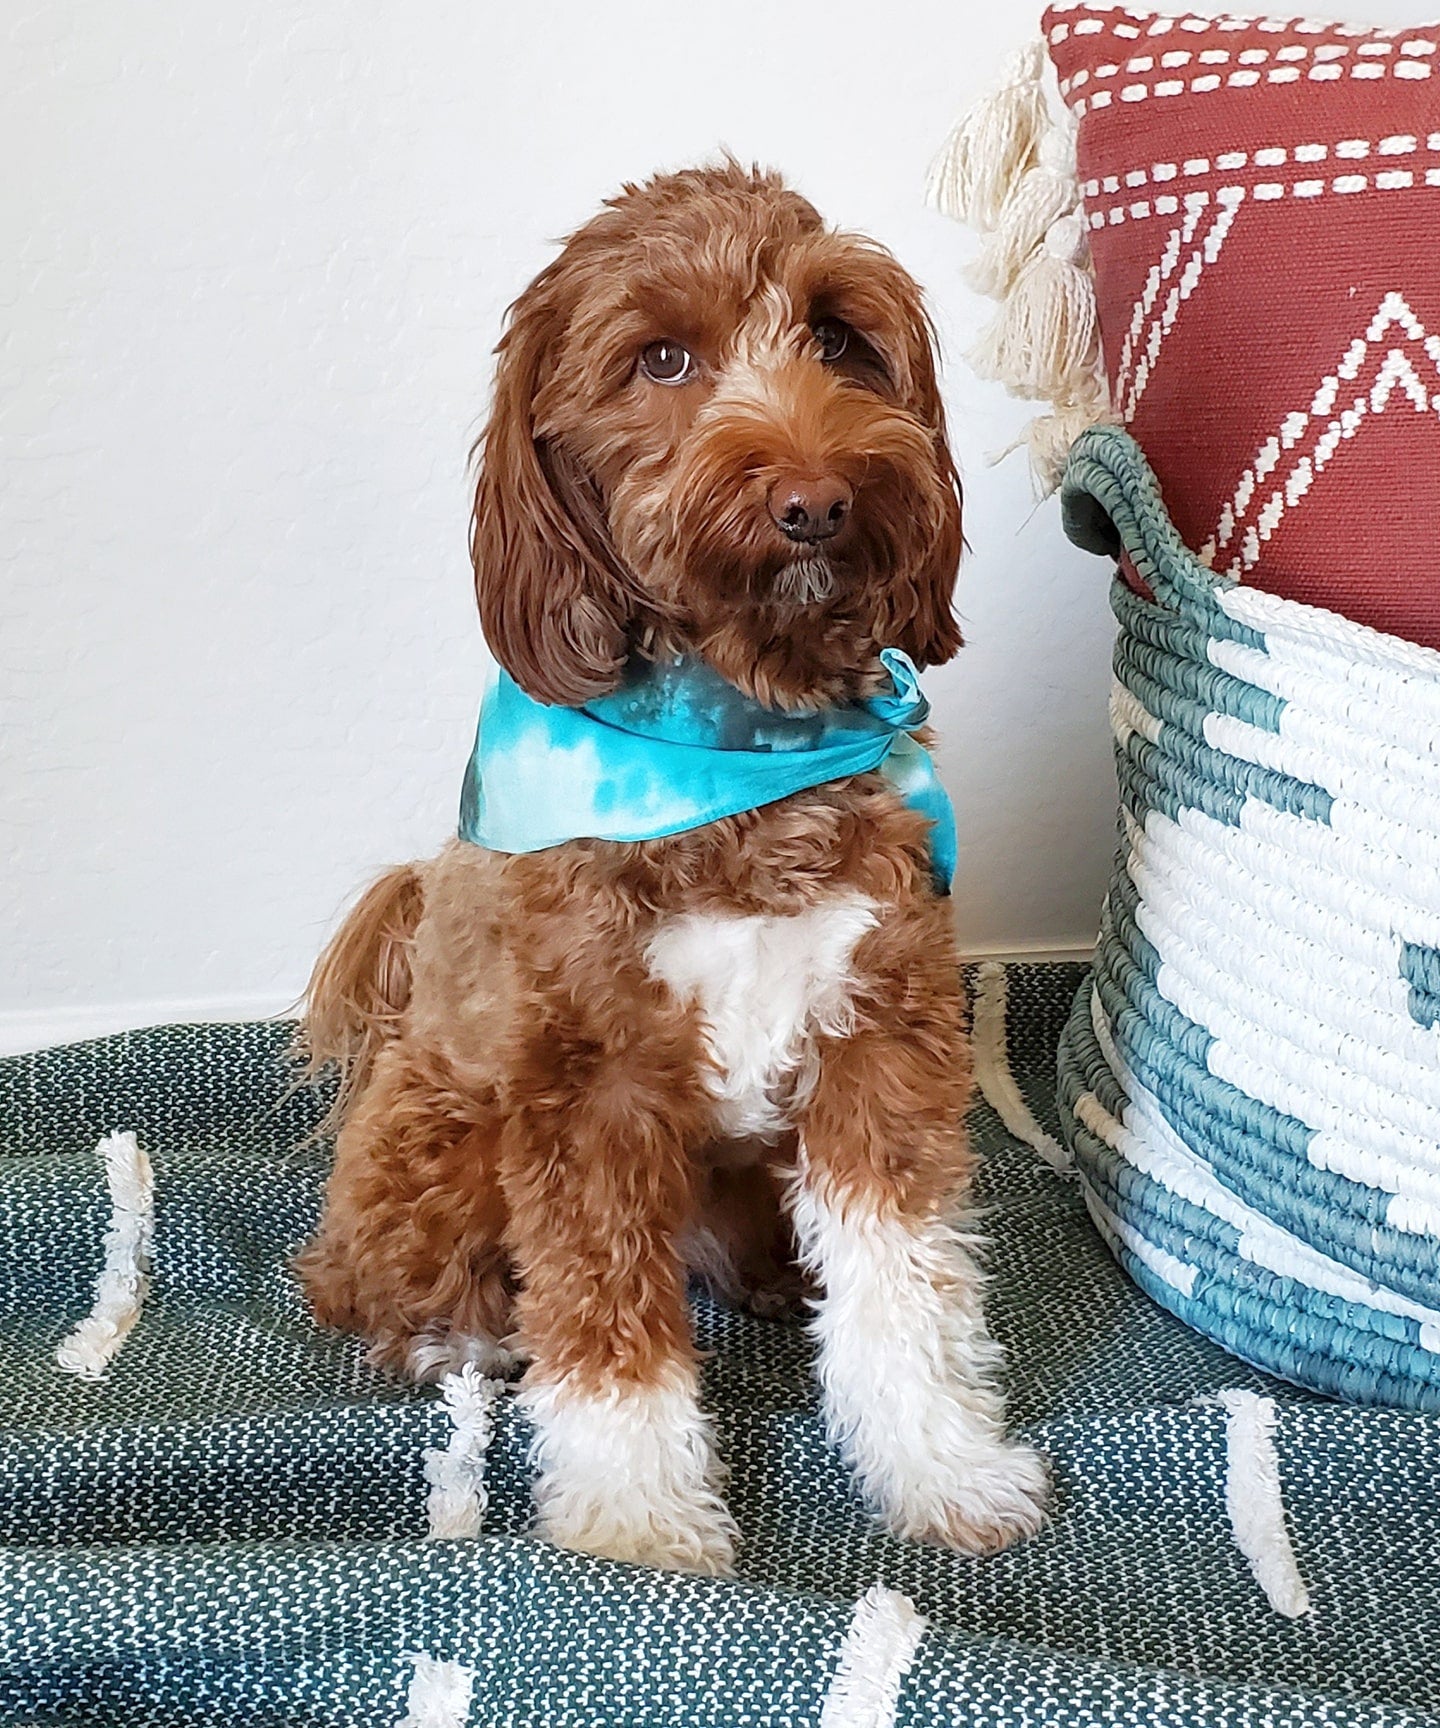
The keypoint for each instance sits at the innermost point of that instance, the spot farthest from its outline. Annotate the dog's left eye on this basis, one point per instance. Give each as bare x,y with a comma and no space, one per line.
667,362
833,337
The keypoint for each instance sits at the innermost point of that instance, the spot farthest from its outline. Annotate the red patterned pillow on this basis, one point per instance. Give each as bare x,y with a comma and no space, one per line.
1263,203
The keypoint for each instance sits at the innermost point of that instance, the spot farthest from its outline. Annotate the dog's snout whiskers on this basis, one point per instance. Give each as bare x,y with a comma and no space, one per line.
805,581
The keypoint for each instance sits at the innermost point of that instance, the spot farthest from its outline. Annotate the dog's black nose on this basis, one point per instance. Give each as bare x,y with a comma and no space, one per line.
810,507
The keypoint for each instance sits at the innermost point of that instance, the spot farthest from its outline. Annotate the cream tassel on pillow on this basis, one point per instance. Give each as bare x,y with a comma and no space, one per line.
1049,438
1035,200
993,144
1044,343
1009,171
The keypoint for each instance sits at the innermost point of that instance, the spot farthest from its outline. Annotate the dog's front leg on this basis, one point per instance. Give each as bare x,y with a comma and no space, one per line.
599,1190
907,1367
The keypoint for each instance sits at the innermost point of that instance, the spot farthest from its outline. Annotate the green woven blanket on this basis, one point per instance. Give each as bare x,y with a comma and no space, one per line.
233,1524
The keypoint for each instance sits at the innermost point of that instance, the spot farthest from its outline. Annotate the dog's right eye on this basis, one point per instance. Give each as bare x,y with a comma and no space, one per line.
667,362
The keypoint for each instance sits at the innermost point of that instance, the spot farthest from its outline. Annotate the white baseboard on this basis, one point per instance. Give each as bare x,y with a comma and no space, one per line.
1040,954
23,1029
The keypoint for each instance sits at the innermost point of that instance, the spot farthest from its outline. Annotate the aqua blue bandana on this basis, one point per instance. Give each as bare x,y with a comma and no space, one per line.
675,747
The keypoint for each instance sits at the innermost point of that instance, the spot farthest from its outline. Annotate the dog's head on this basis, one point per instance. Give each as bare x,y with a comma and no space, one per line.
716,429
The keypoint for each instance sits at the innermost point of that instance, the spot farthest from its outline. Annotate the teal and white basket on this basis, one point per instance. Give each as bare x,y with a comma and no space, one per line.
1250,1083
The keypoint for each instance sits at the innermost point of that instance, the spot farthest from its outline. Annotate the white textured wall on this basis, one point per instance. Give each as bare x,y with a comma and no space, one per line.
255,261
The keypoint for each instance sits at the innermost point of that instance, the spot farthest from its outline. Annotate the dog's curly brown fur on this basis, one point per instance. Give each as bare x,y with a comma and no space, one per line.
530,1152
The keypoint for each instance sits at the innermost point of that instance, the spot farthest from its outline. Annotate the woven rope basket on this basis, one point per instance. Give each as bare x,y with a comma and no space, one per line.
1250,1083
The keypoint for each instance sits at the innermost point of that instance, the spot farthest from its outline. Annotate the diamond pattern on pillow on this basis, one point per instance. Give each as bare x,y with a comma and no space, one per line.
1263,201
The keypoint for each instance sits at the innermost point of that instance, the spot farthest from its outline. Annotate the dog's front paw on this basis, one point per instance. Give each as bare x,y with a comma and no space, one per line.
699,1537
631,1473
994,1499
439,1350
778,1296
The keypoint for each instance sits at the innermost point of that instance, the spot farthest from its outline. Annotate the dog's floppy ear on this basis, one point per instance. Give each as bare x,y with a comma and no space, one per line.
553,602
923,623
920,598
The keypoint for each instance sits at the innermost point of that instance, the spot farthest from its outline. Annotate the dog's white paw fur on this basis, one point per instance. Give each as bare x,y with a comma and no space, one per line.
909,1375
631,1473
981,1503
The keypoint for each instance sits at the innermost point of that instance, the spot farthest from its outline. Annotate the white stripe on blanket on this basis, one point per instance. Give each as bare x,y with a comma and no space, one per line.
1254,1503
880,1644
456,1474
125,1276
439,1695
992,1066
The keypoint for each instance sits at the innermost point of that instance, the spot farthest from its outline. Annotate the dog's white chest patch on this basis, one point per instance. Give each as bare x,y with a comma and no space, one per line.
765,986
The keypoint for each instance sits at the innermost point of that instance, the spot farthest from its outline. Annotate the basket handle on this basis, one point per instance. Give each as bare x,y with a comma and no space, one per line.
1110,501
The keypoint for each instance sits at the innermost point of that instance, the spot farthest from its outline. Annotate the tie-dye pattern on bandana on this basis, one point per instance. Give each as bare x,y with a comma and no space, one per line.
675,747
